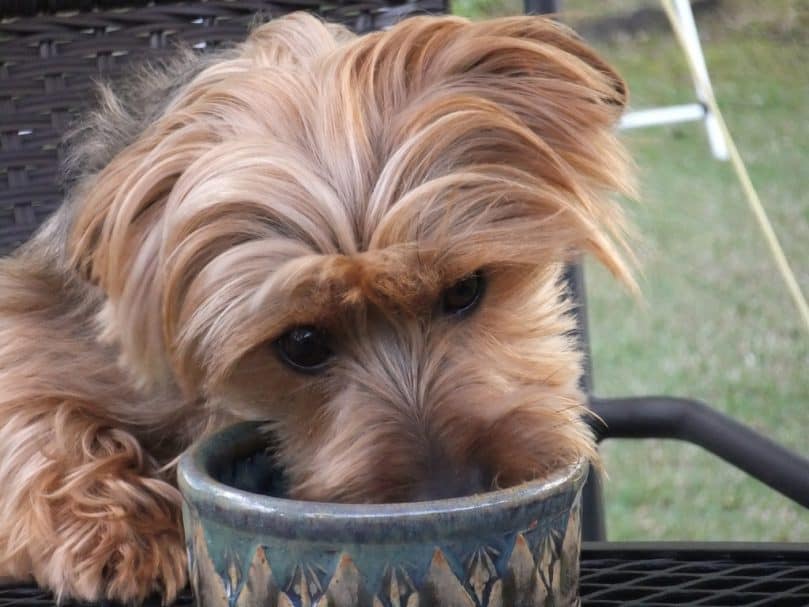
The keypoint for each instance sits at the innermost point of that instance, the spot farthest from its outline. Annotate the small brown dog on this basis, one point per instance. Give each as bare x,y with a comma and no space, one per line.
359,240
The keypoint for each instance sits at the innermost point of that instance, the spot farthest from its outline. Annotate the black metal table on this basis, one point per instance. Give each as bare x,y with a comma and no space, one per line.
645,574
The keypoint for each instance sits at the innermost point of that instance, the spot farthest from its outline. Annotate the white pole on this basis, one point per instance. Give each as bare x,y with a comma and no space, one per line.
671,114
702,81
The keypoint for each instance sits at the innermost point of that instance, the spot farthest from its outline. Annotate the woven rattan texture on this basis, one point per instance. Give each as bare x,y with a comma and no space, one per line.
648,578
48,64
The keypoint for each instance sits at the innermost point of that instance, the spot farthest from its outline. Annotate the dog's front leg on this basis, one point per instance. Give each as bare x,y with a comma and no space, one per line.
83,508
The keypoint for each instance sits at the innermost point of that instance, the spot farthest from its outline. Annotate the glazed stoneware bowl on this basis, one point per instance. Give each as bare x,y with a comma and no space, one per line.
516,547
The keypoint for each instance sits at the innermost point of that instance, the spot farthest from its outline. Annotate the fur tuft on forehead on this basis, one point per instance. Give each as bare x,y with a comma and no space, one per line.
475,144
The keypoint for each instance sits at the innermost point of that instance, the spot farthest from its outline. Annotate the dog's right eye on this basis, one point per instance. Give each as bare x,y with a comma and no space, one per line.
462,297
305,349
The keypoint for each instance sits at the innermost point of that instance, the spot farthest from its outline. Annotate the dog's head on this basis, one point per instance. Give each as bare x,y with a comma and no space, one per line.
361,239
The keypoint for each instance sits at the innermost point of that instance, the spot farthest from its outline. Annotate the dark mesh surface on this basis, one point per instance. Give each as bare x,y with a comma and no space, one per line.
612,576
48,64
30,596
708,575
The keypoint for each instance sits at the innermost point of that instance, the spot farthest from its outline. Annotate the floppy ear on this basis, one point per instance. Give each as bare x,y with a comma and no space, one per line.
116,244
572,59
526,102
145,135
571,99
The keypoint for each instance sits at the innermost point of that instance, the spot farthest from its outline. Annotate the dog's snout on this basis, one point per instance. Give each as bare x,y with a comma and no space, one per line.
447,481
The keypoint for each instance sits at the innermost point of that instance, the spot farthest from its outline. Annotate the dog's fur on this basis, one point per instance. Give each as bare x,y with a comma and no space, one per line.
305,177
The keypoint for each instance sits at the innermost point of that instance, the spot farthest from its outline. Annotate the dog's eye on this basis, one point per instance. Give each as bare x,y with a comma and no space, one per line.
464,295
305,349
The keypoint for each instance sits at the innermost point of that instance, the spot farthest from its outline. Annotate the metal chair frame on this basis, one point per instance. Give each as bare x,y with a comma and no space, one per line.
684,419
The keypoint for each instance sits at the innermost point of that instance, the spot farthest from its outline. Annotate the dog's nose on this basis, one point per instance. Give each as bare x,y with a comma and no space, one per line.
445,481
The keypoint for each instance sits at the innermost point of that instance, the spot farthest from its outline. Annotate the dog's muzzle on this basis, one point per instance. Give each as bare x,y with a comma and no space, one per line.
447,481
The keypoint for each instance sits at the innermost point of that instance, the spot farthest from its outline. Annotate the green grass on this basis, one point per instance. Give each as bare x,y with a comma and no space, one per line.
717,323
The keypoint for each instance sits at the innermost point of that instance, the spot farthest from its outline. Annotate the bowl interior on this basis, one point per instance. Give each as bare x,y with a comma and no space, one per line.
231,475
254,472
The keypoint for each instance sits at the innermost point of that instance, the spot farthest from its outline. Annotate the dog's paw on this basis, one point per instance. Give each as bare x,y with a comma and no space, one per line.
154,565
91,518
119,561
108,533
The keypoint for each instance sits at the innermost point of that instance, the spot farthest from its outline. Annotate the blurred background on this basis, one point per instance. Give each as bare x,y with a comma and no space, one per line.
716,323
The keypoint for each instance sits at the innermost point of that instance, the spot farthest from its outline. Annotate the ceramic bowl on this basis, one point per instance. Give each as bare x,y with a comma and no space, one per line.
516,547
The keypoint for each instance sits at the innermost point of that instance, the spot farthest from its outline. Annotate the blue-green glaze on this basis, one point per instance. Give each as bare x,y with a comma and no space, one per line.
515,547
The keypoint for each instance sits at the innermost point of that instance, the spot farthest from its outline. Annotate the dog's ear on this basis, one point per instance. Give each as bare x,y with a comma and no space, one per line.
526,108
151,129
115,244
546,48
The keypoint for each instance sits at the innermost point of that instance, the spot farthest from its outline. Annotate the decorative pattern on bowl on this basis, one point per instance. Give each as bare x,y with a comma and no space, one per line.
517,547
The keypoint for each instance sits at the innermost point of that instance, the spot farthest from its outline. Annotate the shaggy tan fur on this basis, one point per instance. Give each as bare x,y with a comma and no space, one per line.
306,177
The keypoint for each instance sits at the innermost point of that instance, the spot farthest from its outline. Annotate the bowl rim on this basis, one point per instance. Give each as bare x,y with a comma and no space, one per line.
219,501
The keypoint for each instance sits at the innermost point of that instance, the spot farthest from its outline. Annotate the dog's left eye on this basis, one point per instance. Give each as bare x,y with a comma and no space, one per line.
464,295
305,349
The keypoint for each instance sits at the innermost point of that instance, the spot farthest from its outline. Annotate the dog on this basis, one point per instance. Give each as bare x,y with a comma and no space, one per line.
357,240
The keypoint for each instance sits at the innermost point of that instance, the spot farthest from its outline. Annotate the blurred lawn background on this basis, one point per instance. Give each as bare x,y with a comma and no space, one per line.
718,324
